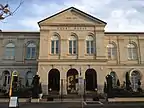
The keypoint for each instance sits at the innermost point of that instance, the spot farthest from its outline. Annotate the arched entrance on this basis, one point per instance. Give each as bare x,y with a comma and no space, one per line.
6,78
54,80
135,78
91,80
72,81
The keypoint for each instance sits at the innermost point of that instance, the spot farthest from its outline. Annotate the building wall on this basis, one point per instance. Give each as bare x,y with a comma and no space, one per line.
20,63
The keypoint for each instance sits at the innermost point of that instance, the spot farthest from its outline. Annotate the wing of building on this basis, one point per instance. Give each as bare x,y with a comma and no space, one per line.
73,45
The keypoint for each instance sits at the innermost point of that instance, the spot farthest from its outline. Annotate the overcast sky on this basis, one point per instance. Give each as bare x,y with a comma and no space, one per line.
120,15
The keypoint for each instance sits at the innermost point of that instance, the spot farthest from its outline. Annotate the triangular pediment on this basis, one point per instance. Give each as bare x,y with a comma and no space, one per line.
71,16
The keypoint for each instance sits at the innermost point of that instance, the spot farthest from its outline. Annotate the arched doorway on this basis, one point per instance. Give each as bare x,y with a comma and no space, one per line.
135,78
72,81
6,78
54,80
91,80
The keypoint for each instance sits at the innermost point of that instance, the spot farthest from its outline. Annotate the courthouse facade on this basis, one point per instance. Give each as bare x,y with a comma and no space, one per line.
72,45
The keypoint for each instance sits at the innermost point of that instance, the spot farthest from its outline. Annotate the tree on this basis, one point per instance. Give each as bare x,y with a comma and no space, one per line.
27,83
128,82
5,10
105,87
35,86
118,83
109,85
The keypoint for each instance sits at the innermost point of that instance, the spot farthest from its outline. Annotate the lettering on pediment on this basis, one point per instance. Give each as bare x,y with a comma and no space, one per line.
71,28
71,17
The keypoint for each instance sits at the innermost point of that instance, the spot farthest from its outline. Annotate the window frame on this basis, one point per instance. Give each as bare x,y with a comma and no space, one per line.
10,51
111,51
90,45
29,51
73,46
55,45
132,51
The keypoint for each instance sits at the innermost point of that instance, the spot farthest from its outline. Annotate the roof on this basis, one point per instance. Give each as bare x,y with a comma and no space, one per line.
124,32
76,10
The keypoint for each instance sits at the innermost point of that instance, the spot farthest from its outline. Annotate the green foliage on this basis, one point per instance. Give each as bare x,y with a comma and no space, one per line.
27,83
118,83
105,87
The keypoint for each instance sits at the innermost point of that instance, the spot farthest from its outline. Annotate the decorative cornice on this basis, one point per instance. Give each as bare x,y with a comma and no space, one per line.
19,64
72,60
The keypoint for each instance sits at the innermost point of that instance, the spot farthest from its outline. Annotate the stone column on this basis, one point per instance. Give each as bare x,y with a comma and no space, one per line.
63,82
100,48
81,81
43,79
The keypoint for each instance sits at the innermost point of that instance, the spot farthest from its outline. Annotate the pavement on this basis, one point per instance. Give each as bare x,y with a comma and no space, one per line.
77,105
139,99
27,100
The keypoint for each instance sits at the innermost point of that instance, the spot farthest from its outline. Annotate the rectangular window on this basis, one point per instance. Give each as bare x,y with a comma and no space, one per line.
134,54
52,46
92,47
10,53
109,52
70,47
74,47
129,53
28,52
33,52
57,46
88,46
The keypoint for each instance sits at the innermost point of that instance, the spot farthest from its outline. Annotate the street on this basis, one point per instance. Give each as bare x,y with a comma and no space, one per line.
77,105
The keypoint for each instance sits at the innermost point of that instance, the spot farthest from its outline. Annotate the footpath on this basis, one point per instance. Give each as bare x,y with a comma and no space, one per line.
28,100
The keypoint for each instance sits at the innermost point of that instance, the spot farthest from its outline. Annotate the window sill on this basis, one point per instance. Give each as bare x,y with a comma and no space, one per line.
89,54
132,59
71,54
30,59
9,59
54,54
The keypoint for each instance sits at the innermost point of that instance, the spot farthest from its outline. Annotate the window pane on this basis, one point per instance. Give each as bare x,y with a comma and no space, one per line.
87,44
57,46
92,50
92,44
57,51
134,53
52,50
33,52
74,43
74,50
10,52
52,43
74,47
28,52
70,50
129,53
88,51
52,46
88,47
70,44
70,47
114,52
109,52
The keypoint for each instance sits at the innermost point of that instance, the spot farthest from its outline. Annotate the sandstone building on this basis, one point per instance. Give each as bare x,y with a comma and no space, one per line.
73,45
